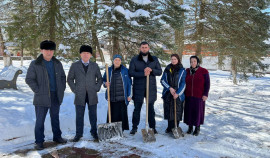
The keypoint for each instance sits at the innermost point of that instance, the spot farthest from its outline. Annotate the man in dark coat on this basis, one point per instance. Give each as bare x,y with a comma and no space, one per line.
47,79
141,66
85,80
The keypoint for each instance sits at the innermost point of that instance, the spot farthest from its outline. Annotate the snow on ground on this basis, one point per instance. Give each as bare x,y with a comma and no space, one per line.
236,122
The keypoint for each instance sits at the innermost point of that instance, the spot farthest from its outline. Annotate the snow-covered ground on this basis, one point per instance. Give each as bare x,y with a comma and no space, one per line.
237,122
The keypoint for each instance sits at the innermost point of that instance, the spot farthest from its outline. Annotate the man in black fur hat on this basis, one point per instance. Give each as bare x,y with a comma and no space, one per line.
47,79
84,79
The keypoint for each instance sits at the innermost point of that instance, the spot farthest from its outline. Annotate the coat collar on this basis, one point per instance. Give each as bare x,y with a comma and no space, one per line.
81,66
40,59
150,58
168,67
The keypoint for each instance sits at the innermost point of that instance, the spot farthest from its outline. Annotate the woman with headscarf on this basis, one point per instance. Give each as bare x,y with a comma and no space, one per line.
173,81
197,88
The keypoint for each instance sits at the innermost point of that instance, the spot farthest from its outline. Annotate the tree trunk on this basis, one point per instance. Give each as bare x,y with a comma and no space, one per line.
2,43
115,35
116,46
6,56
200,30
220,61
34,45
52,22
101,53
234,70
21,56
95,42
179,37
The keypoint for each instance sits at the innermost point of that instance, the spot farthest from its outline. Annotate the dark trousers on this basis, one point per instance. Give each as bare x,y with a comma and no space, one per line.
92,113
137,113
171,124
119,113
41,113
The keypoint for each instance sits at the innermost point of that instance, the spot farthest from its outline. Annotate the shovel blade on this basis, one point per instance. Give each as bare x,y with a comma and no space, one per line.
148,135
110,131
177,132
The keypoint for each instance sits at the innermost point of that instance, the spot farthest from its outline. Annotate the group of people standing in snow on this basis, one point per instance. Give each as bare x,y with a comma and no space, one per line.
47,79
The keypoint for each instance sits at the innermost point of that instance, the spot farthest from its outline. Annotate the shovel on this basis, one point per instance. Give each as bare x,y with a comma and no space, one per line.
109,131
147,133
177,131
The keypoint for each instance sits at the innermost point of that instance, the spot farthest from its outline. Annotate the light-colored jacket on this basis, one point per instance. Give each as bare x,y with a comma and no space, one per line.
81,82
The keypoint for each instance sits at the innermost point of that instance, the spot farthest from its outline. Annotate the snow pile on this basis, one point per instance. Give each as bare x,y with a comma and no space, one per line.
186,7
128,14
64,48
8,73
142,2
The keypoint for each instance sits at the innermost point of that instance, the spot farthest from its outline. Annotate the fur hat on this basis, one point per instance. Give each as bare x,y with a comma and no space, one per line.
86,48
47,45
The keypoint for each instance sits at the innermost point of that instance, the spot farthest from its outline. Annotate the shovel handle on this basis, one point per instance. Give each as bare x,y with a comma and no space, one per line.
175,118
147,101
108,93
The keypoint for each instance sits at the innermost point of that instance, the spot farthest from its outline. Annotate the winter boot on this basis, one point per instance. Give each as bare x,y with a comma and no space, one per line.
133,131
60,140
197,131
76,138
155,131
39,146
168,130
190,129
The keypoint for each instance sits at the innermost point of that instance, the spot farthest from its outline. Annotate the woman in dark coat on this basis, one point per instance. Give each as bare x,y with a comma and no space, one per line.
197,88
120,91
173,81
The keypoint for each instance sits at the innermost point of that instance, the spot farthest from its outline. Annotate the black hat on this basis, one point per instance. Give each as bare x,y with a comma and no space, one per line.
86,48
47,45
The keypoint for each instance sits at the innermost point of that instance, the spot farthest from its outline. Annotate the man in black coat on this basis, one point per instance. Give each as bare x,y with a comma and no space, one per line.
47,79
141,66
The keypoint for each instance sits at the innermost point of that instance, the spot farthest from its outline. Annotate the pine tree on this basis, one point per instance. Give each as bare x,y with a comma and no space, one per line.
241,29
172,12
20,29
127,23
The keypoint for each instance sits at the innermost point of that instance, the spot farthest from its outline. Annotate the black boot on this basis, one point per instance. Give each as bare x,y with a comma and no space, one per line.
197,131
190,129
95,136
39,146
155,131
76,138
60,140
168,130
133,131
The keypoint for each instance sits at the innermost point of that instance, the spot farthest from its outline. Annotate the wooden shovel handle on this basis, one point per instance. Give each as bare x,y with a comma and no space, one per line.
108,93
147,100
175,118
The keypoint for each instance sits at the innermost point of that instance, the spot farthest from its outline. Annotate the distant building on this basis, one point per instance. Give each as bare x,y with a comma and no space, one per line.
190,49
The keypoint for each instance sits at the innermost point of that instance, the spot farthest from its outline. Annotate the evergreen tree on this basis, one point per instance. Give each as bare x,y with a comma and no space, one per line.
241,29
127,23
172,13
